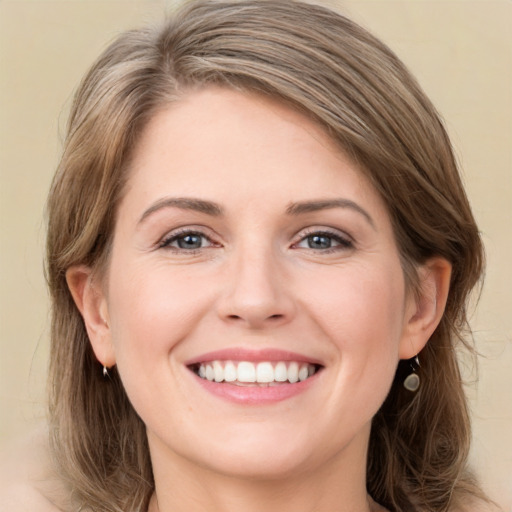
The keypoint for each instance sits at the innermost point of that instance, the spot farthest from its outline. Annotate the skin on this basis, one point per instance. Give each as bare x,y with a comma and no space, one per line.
256,280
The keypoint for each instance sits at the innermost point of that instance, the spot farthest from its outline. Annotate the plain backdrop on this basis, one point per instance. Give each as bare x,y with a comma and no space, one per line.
461,52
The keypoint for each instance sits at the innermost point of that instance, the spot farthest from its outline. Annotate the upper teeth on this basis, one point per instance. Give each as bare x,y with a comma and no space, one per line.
263,372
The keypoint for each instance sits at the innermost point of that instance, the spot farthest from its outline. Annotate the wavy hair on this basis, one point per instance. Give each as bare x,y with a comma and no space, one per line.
333,71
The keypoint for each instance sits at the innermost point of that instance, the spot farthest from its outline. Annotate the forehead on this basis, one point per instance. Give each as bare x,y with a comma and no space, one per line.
227,143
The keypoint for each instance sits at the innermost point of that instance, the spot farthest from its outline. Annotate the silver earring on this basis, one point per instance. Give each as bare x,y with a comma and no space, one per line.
105,372
412,381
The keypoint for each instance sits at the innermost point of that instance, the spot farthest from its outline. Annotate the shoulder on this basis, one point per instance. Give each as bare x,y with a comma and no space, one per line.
24,497
27,481
477,505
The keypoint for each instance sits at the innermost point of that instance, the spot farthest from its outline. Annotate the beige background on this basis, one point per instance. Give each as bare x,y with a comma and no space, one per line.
460,50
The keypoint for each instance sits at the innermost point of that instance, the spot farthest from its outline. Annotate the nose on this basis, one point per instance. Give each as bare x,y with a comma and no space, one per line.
257,293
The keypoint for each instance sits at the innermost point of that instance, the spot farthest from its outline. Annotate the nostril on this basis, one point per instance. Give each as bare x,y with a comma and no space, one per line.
271,318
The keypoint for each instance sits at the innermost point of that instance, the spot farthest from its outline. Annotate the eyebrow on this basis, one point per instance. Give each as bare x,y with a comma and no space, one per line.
184,203
326,204
215,210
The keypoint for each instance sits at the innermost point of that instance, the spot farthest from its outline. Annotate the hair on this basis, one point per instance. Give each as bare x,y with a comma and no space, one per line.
325,66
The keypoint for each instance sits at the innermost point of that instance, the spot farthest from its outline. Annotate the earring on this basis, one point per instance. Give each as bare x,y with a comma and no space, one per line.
412,381
105,372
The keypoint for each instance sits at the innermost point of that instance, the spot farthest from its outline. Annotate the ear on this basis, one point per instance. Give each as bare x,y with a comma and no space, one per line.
92,304
425,309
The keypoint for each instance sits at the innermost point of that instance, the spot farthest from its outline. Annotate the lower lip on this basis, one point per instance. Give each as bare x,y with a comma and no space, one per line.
256,395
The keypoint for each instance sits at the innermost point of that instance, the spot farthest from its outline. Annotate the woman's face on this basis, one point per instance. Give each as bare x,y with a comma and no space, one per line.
255,304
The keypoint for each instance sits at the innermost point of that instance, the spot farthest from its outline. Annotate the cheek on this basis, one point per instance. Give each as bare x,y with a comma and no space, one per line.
362,312
151,311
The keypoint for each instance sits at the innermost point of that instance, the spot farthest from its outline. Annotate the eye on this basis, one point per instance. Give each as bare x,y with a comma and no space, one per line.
186,240
324,241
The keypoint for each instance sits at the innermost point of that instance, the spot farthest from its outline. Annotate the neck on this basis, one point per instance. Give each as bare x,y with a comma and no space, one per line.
337,485
254,498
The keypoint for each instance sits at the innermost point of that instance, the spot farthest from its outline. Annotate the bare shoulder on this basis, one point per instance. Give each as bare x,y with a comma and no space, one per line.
23,497
27,481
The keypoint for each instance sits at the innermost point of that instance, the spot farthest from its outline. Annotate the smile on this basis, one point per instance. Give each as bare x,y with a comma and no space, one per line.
247,373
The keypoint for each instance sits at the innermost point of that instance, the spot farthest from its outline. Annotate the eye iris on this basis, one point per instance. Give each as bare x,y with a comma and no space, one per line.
190,242
319,242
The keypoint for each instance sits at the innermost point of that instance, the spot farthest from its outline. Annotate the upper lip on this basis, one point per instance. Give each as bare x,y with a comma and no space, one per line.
252,355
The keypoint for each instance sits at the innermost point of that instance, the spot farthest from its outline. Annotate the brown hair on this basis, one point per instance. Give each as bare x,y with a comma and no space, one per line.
335,72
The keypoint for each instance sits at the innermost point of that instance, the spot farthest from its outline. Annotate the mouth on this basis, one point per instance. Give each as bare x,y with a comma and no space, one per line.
254,374
251,377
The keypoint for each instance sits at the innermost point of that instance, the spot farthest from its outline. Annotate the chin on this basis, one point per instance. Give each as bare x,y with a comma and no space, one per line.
267,454
263,466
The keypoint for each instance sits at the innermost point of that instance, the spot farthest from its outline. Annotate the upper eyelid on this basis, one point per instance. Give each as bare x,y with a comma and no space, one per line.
299,236
192,228
182,231
343,241
303,233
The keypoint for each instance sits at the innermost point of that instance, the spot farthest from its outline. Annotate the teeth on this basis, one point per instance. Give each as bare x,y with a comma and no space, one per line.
281,372
264,372
293,372
210,374
261,373
246,372
230,373
218,372
303,373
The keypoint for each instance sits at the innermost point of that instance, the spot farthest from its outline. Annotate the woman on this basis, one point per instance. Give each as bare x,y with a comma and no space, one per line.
258,245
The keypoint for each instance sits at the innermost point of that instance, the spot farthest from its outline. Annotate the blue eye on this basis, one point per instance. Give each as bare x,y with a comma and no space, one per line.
319,241
191,241
186,241
323,241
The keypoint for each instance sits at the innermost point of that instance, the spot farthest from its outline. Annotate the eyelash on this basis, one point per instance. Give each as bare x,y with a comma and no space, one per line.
343,242
181,234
